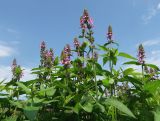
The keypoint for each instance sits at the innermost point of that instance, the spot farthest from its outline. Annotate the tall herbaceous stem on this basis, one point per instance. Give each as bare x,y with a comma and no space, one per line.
112,87
95,81
142,72
111,68
94,69
32,95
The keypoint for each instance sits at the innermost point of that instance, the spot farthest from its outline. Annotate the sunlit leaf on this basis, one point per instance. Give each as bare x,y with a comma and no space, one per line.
152,66
122,54
120,106
88,107
23,87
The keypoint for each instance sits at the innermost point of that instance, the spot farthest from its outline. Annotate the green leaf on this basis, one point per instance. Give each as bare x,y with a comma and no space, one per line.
111,80
11,118
153,66
26,89
133,80
132,63
102,48
105,82
105,59
56,61
156,115
31,112
88,107
120,106
76,108
49,91
68,98
114,60
122,54
152,87
100,107
17,104
128,71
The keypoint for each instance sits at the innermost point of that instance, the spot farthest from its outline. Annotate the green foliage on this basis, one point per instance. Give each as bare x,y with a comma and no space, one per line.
85,87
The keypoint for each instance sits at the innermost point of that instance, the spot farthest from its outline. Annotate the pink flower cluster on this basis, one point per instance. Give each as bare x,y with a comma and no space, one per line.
76,43
47,56
16,71
109,34
77,46
43,46
141,54
86,21
65,55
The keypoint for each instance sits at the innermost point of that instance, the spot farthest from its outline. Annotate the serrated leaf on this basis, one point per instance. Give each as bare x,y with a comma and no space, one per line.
88,107
128,71
56,61
76,108
102,48
100,107
23,87
49,91
120,106
152,87
132,63
31,112
122,54
11,118
17,104
105,59
68,98
156,115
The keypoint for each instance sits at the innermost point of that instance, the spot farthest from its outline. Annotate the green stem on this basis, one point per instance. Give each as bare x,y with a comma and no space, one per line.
95,82
142,73
32,94
111,86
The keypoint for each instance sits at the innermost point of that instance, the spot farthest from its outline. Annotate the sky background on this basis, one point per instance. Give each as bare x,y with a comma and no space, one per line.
25,23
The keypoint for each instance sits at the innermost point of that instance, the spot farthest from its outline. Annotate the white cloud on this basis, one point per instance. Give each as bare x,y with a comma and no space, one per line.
6,50
158,6
155,52
154,60
5,74
10,30
151,42
27,74
151,13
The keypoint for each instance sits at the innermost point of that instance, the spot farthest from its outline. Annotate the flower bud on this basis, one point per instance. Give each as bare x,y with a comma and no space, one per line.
109,34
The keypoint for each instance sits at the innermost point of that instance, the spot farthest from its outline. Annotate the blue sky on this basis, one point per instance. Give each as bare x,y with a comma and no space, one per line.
25,23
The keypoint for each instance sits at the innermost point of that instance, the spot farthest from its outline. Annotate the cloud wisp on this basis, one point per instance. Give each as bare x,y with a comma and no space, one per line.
151,13
151,42
6,75
6,50
10,30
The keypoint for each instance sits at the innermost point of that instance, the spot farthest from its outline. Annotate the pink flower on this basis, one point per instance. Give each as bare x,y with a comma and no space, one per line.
141,54
109,34
14,63
90,22
65,55
17,72
76,43
86,21
43,45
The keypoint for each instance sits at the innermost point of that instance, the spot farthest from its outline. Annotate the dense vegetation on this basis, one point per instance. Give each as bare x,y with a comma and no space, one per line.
75,86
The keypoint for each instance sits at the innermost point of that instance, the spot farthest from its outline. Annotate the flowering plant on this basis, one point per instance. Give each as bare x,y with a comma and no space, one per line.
81,88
